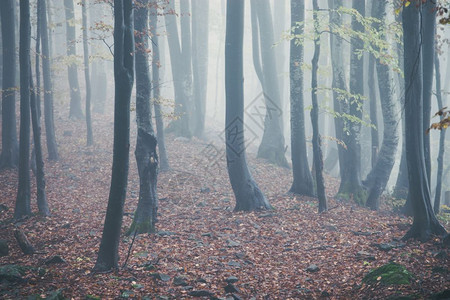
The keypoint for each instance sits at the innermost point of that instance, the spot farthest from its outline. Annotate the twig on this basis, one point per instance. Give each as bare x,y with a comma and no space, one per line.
129,249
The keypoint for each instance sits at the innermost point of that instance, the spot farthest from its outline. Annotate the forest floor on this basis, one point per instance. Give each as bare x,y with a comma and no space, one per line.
200,241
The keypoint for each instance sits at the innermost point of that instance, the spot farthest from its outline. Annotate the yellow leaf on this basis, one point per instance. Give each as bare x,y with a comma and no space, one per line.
397,11
407,3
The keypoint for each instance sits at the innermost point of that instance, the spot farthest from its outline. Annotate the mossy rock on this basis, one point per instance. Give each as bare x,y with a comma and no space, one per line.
389,274
12,273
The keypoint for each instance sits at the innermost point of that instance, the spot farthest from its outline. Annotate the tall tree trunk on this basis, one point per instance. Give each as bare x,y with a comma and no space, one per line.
441,152
373,110
9,156
89,134
272,145
200,31
379,175
181,67
248,195
302,180
351,186
40,174
52,148
156,63
23,207
424,221
108,254
316,140
75,93
146,158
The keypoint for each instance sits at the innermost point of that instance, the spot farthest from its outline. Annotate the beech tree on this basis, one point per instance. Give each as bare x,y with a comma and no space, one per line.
248,195
89,134
10,147
108,254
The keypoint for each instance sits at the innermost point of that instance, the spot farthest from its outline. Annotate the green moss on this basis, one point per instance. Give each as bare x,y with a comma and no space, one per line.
145,226
358,195
389,274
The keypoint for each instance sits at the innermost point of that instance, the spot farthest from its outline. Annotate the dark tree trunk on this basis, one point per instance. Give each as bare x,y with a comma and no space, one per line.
200,31
373,110
351,186
424,221
156,63
108,254
248,195
302,180
316,140
9,156
89,134
379,175
23,207
48,92
40,174
440,159
272,145
146,158
75,94
181,72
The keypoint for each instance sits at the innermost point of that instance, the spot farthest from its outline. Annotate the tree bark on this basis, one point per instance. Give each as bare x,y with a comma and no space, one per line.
9,157
23,207
248,195
75,93
108,254
373,110
424,221
52,147
302,179
89,134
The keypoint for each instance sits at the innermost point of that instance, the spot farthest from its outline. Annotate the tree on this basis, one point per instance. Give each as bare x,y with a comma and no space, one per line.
52,147
316,140
424,221
200,31
23,207
156,62
379,175
89,134
248,195
108,254
9,156
180,60
302,180
272,143
75,94
146,158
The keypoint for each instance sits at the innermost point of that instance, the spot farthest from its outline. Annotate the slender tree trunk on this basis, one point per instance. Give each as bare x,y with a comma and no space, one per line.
108,254
373,110
89,134
302,180
200,31
316,140
23,207
272,145
40,174
441,152
75,93
48,90
156,63
424,221
9,157
248,195
146,158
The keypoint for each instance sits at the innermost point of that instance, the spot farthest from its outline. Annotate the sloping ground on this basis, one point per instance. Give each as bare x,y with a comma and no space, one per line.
201,242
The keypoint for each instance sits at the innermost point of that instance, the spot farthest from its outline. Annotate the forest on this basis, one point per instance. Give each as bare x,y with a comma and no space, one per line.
224,149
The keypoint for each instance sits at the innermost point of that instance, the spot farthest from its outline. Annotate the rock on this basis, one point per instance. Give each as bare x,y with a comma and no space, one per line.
309,279
364,233
201,280
267,215
205,190
232,243
67,225
201,204
226,200
331,228
389,274
230,288
4,249
233,263
3,207
188,287
161,276
389,246
239,255
325,294
165,233
67,133
207,234
232,279
201,293
365,255
76,210
312,268
236,297
12,273
180,281
55,260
